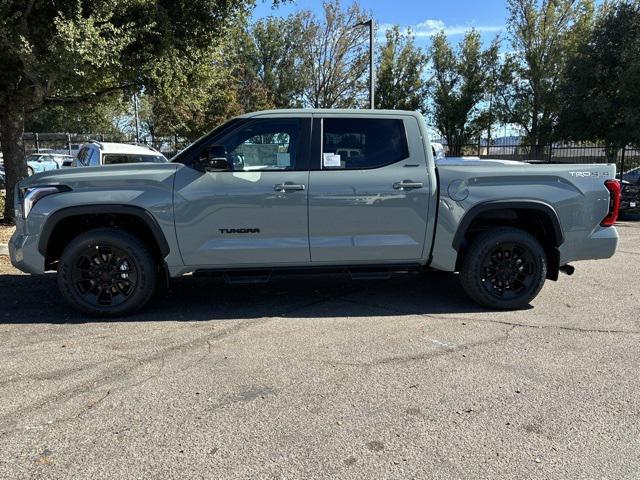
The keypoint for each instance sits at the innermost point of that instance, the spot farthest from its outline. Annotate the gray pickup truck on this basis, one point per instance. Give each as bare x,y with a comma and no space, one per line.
312,191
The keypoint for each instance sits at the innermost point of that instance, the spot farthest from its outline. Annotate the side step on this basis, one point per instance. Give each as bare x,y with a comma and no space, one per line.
373,273
356,272
256,276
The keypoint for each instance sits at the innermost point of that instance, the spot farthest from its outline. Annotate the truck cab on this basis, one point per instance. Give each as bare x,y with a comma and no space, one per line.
297,189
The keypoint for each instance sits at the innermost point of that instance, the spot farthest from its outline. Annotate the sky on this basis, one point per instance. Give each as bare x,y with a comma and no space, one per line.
425,17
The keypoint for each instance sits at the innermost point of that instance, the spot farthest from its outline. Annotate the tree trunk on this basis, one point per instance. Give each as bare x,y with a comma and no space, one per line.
11,130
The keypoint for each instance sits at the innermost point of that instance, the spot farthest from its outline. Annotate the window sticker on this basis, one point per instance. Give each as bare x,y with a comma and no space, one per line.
331,160
283,160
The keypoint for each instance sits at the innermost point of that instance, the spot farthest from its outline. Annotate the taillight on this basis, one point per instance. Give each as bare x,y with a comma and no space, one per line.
614,203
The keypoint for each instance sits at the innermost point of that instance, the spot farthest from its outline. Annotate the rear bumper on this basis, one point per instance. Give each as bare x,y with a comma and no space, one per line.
602,243
24,254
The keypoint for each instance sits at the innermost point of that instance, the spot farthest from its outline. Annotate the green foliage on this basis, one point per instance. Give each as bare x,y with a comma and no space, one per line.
401,65
460,80
269,62
190,101
601,94
543,35
62,52
97,117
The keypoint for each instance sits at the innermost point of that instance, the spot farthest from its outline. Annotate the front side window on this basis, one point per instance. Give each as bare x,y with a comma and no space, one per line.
362,143
269,144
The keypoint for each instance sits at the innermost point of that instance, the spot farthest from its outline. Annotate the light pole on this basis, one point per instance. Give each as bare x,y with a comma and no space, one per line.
369,23
135,108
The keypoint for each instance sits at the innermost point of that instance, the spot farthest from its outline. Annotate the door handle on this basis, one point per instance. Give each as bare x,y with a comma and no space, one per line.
407,185
288,187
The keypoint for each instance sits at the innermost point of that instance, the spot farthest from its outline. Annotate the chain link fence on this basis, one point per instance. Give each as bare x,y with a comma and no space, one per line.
70,143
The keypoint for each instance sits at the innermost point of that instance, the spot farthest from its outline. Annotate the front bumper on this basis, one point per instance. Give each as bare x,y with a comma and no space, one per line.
24,254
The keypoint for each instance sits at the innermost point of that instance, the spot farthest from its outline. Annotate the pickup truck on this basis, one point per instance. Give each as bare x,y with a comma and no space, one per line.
312,191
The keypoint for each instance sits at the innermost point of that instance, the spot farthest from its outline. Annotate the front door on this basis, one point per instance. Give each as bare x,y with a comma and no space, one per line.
369,195
255,214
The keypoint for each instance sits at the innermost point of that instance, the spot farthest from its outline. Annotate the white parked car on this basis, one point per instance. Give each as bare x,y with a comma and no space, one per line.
95,154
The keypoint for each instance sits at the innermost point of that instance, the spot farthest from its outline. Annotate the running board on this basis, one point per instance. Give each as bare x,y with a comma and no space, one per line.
356,272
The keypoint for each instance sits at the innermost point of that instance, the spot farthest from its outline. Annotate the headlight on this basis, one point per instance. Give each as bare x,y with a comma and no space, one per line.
30,196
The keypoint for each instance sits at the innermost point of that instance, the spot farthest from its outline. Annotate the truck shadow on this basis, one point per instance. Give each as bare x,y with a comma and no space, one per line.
29,299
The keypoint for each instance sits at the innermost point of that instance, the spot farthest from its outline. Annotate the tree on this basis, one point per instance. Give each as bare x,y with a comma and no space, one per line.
62,53
601,98
460,80
192,101
335,57
400,69
270,62
543,34
98,117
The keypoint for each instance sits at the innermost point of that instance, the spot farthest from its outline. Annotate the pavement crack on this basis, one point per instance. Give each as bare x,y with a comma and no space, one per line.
629,253
554,327
440,352
501,322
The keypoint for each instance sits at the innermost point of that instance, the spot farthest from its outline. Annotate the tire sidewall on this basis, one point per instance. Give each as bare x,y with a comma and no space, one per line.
139,255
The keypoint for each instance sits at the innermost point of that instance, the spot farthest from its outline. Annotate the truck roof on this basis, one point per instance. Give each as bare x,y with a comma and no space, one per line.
330,111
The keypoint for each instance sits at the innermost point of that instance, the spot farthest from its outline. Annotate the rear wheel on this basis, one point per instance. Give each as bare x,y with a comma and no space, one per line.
504,268
106,273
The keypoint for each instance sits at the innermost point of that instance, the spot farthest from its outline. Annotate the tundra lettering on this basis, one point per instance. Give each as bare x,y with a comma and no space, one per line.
239,230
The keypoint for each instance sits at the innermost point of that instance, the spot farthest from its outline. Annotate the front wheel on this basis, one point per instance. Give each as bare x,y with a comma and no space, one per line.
504,268
106,273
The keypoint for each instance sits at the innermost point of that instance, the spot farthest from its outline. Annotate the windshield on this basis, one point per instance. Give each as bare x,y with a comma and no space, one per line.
117,158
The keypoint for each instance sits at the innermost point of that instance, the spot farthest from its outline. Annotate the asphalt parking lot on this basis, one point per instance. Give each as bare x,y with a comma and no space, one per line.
326,378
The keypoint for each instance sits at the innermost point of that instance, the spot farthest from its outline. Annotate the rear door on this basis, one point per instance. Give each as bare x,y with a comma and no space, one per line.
368,190
256,214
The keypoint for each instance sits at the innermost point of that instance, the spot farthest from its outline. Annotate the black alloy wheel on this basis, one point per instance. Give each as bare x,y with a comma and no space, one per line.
508,270
104,276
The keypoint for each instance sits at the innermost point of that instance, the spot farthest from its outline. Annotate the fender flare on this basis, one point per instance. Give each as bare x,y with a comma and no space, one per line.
113,209
480,208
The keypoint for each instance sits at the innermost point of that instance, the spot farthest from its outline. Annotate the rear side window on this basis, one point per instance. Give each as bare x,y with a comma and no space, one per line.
362,143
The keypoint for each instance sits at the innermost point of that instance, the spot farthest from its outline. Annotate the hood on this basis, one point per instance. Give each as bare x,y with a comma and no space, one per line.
102,176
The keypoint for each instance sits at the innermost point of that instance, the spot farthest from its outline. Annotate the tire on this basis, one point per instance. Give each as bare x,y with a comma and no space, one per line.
107,273
29,171
504,268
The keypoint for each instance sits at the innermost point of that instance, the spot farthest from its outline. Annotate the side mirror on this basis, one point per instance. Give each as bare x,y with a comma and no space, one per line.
214,159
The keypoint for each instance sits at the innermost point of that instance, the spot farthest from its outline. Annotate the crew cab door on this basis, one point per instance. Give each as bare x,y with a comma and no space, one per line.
255,214
368,190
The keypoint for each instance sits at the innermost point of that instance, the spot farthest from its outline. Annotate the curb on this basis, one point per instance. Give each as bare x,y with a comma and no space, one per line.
4,249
